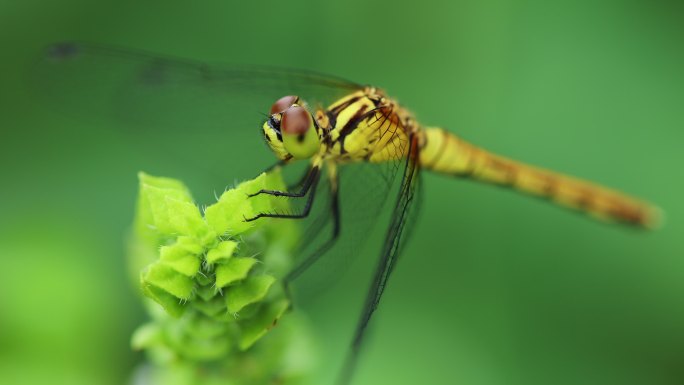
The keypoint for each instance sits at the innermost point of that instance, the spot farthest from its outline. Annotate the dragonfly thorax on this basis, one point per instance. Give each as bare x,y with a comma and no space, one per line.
366,126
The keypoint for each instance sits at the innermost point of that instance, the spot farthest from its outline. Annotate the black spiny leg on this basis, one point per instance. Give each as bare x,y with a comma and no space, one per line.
309,177
313,257
307,207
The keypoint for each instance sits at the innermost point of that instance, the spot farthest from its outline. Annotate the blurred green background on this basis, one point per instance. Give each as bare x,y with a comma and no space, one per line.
493,289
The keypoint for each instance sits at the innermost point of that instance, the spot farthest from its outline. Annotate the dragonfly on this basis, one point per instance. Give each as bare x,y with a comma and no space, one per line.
362,151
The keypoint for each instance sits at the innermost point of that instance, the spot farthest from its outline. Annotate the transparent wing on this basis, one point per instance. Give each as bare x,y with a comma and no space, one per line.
362,196
184,108
403,212
363,191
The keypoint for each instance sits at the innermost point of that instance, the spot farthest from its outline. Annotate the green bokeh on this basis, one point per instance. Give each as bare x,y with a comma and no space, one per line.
494,288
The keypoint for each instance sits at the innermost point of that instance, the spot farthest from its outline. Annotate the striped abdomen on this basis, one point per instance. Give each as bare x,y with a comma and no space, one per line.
445,153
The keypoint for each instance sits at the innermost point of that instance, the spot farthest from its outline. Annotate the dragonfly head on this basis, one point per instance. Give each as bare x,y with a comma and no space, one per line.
291,130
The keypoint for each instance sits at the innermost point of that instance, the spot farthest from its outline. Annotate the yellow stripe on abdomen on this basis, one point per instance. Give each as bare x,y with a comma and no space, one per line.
445,153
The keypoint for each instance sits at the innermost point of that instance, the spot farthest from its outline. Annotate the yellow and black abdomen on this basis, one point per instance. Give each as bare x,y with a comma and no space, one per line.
445,153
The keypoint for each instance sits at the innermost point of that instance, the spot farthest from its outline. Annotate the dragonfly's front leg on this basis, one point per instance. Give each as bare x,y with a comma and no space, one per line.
309,190
305,184
302,266
311,259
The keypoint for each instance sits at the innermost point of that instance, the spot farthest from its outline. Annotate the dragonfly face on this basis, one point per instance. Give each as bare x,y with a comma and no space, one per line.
291,131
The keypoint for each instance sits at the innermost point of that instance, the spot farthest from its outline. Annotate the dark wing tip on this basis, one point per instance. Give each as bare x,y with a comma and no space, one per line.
62,51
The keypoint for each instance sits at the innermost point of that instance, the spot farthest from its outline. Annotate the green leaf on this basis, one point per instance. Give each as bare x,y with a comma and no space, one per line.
164,183
178,258
227,216
257,326
144,214
152,206
206,292
170,303
263,202
146,335
204,280
235,269
185,258
190,244
273,180
185,219
205,328
222,252
166,278
206,349
252,290
211,308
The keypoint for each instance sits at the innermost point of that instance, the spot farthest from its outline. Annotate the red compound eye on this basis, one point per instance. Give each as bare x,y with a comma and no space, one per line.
283,104
296,120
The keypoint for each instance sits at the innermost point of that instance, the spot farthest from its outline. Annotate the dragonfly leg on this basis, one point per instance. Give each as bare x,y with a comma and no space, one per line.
307,206
305,184
322,249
